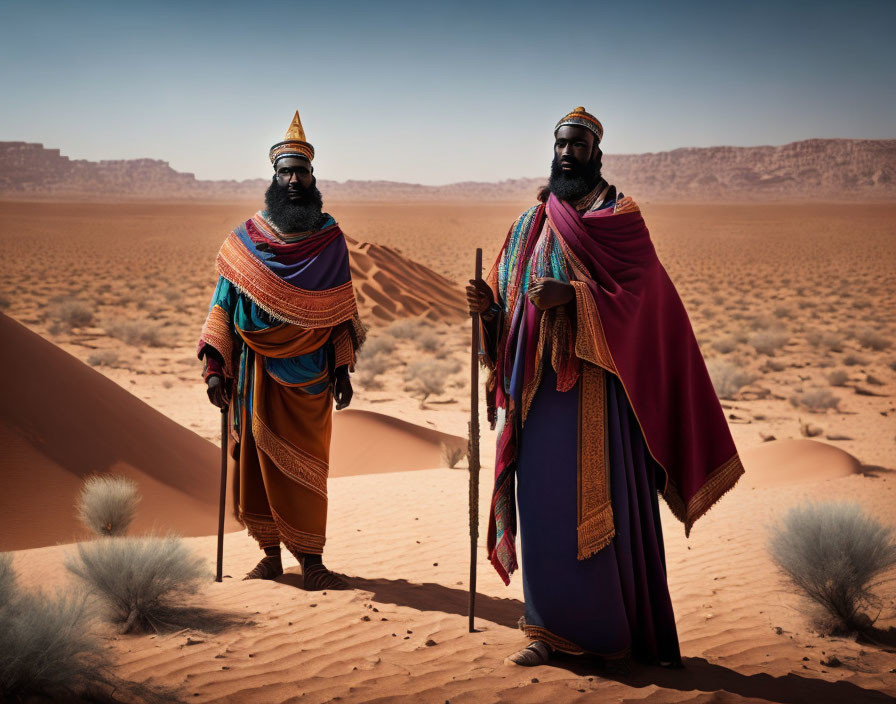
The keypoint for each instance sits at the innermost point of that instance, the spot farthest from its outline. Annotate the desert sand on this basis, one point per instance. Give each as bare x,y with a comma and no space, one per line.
792,305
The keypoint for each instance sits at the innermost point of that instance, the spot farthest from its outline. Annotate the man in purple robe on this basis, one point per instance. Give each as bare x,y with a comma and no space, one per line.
605,402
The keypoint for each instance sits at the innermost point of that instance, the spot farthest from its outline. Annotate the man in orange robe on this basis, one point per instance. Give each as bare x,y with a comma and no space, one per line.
279,341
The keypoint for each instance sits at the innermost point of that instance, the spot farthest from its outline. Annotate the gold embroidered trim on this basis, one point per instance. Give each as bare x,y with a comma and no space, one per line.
217,333
552,639
299,541
261,528
344,350
591,344
300,466
309,309
530,388
719,482
595,527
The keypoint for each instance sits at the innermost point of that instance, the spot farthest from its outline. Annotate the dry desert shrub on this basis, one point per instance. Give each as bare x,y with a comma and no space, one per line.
4,302
136,333
815,400
873,340
833,552
838,377
727,377
429,342
107,504
7,579
726,345
406,329
142,581
371,367
378,345
452,454
854,360
46,649
70,314
102,358
825,339
429,376
768,341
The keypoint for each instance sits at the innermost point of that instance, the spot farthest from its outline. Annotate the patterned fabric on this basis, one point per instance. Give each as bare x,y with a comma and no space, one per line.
611,263
581,118
294,143
282,318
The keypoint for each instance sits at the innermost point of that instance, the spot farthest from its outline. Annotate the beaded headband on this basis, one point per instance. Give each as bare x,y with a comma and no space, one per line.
581,118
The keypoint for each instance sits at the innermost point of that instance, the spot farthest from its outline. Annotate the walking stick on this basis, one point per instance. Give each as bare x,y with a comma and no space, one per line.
473,450
220,565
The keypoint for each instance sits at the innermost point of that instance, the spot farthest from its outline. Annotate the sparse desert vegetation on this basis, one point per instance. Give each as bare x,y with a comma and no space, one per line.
143,582
833,552
107,504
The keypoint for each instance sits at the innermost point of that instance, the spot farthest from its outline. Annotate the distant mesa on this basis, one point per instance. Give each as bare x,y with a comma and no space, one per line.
806,170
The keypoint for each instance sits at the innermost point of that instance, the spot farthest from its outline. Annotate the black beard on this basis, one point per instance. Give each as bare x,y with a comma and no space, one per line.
294,216
575,184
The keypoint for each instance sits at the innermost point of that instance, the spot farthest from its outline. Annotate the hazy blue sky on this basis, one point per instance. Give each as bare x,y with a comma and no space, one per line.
436,92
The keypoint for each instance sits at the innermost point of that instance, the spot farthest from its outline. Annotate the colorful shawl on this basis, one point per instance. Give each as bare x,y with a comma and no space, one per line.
630,321
282,317
305,283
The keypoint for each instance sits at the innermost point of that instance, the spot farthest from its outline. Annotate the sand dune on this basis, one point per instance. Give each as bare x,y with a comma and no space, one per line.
388,286
783,462
369,443
62,421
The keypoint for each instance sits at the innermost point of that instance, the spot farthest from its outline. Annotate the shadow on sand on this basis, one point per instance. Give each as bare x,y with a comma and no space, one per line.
697,674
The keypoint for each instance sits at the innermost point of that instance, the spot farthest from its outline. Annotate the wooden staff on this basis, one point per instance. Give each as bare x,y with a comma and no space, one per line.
473,450
220,566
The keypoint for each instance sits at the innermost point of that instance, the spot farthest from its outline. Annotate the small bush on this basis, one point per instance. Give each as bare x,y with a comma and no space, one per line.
727,378
430,376
103,358
371,367
825,339
404,329
7,579
429,342
136,333
46,649
854,360
142,581
452,454
4,302
838,377
70,314
873,340
378,345
725,345
107,504
816,400
768,341
833,552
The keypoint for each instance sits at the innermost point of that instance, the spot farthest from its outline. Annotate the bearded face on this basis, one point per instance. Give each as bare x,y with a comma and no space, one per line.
571,179
294,208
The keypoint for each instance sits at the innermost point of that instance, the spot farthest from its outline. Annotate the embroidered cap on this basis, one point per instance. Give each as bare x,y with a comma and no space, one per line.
293,144
582,118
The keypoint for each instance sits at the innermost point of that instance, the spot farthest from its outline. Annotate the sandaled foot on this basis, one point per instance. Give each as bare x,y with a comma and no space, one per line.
536,653
318,577
270,567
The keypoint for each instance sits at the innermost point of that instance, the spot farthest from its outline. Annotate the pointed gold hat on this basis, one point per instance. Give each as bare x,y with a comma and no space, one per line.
293,144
